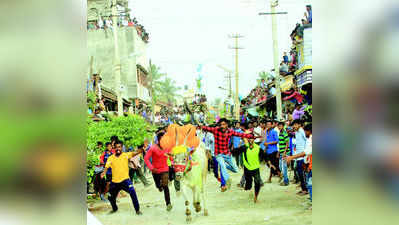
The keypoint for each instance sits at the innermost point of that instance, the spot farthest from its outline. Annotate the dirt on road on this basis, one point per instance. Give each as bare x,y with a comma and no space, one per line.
277,205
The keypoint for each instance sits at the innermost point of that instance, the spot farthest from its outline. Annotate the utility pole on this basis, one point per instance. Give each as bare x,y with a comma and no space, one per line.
273,5
229,76
152,94
237,102
117,60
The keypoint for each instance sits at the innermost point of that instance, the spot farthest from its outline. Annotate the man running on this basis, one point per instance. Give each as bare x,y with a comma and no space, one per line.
251,157
223,156
119,163
159,167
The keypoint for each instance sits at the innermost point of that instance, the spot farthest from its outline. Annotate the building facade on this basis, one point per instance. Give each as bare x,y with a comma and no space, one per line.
132,49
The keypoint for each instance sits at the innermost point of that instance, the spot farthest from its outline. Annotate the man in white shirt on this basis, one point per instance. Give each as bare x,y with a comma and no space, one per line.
258,132
307,153
135,167
157,118
275,127
300,140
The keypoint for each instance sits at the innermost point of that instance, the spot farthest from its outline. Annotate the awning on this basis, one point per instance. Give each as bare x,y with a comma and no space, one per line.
252,111
108,94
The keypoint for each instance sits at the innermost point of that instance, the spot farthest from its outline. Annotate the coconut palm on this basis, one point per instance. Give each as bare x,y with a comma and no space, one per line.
156,77
218,101
168,90
264,75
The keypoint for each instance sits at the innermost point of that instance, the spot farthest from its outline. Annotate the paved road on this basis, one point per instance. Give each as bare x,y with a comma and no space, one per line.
277,205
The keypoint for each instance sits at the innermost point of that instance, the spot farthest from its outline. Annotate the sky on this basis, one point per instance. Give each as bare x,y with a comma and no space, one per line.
187,33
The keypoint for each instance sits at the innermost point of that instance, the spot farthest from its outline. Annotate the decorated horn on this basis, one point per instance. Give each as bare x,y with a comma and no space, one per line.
177,140
185,139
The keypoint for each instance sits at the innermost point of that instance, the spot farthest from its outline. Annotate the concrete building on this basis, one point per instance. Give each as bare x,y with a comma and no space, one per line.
132,48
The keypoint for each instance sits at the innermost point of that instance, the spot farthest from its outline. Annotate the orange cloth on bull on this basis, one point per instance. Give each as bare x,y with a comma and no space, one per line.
168,141
184,133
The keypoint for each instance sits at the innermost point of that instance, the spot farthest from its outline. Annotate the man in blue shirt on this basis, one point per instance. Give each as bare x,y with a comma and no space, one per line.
271,149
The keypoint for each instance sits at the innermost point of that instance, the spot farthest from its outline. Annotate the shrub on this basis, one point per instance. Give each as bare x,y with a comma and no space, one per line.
131,129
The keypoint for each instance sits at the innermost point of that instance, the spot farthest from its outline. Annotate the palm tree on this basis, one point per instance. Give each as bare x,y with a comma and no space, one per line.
168,90
264,75
155,77
218,101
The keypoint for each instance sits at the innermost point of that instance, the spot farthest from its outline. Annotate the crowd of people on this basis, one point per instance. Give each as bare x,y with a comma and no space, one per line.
106,23
279,146
199,99
259,94
297,100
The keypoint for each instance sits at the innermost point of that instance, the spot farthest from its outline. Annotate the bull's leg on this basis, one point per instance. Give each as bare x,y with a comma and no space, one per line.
196,199
188,212
203,194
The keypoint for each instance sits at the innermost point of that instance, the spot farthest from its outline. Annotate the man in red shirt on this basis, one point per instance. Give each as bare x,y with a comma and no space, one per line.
159,168
222,153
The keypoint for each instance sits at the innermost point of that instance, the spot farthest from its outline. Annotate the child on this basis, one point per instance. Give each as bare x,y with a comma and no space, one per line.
103,160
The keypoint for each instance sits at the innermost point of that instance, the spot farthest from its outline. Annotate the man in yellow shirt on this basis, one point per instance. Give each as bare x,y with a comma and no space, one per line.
119,163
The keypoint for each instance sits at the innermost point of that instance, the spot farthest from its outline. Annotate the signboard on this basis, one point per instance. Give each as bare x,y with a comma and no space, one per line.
305,49
304,78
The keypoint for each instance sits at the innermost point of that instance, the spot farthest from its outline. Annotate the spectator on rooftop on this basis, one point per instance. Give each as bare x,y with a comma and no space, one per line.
97,116
283,68
272,90
309,14
130,23
285,57
263,84
293,58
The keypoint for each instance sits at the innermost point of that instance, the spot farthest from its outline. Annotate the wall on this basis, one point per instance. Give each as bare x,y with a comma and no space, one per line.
305,49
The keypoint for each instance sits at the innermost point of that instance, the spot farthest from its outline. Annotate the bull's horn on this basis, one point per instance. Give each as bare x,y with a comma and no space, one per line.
177,140
185,139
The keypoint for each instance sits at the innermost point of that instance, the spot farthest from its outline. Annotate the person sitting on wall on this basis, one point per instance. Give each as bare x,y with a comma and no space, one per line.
309,14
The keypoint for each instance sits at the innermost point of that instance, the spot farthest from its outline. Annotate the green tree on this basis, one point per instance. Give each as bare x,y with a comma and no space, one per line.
156,77
169,90
91,100
217,102
264,75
